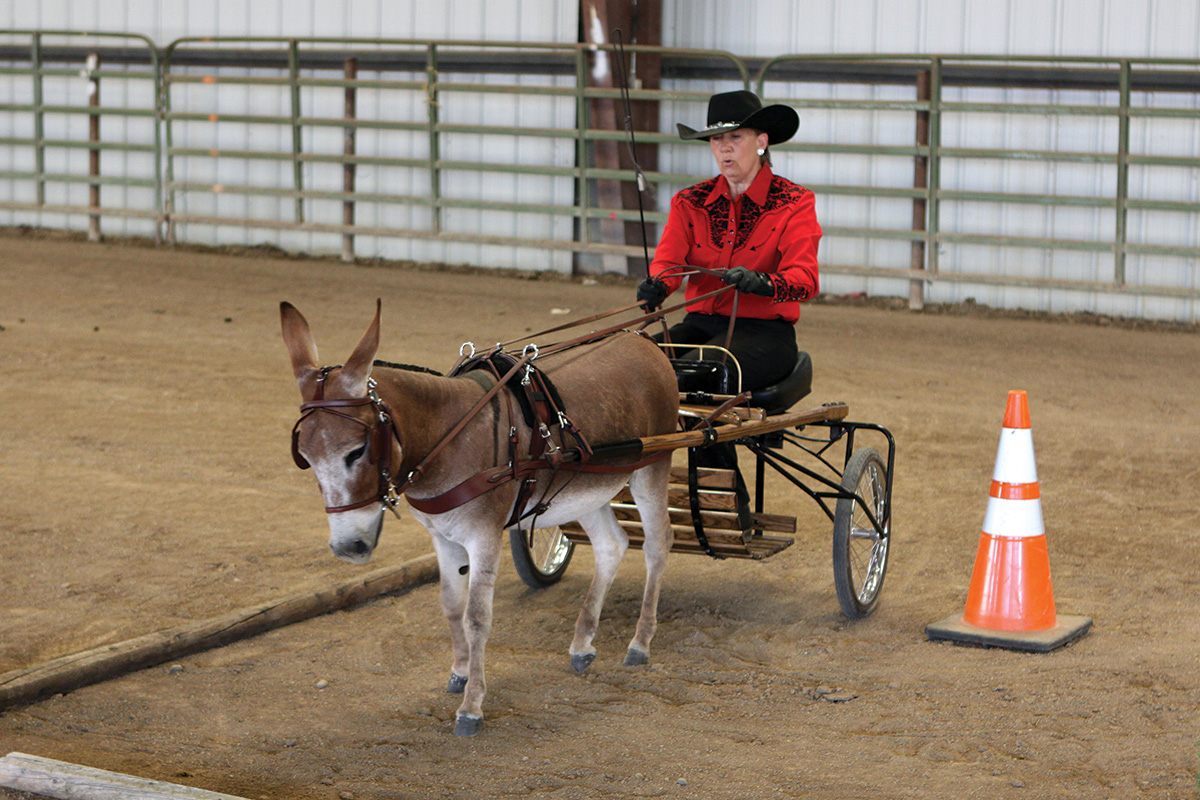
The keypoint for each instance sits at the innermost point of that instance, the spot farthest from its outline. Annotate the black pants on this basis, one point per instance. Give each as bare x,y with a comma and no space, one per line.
765,348
766,351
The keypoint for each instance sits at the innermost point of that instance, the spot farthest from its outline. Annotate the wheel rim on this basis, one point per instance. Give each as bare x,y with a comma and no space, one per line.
549,549
868,547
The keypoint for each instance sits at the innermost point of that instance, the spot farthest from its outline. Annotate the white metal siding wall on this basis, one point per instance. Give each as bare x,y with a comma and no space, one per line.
1092,28
511,20
492,20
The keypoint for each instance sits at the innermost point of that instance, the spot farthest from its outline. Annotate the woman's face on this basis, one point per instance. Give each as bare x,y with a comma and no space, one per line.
736,153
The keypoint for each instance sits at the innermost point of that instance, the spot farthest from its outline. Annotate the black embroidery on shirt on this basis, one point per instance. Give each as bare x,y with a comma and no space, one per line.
780,194
784,292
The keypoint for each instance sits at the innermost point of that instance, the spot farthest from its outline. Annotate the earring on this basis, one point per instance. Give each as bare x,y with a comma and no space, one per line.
761,151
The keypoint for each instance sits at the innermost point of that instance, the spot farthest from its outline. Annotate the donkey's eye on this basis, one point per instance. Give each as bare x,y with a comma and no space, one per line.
355,455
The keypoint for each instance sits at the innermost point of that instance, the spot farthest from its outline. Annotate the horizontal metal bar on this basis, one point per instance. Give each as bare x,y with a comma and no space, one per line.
80,144
50,177
944,276
1031,108
1024,241
1034,199
834,231
1028,155
407,233
90,111
104,211
1184,162
1162,250
1180,206
285,81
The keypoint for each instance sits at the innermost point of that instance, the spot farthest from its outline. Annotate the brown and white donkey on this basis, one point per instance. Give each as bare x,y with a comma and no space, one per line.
363,423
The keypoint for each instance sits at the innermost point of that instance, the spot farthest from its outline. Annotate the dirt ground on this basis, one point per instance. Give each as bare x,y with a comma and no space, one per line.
146,482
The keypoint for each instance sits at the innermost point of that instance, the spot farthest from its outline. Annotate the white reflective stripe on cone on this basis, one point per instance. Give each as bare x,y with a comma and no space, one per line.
1015,519
1014,457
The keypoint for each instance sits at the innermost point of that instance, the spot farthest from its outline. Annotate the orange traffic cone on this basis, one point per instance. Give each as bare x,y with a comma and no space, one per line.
1011,601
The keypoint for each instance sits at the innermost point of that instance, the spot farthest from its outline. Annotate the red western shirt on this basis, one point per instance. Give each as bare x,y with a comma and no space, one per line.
771,227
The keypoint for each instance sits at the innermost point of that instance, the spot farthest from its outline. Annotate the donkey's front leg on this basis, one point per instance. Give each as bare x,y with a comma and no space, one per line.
453,565
477,623
609,543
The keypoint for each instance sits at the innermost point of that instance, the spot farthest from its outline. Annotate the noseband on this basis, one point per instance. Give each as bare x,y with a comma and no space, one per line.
380,436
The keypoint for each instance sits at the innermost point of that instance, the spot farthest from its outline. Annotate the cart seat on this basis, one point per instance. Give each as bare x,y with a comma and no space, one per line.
785,394
699,375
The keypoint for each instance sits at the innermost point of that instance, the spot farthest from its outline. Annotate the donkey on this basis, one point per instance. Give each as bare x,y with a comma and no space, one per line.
617,388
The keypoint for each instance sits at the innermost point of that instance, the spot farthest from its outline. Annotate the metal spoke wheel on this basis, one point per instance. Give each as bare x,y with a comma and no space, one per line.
860,547
541,555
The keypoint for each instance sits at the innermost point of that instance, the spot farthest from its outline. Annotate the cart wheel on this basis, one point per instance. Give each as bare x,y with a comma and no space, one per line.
860,551
541,555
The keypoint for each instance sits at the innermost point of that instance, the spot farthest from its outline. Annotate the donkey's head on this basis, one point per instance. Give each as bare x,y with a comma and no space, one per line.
340,435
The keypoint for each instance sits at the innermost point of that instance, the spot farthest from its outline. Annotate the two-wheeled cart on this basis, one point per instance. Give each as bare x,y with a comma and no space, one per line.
716,512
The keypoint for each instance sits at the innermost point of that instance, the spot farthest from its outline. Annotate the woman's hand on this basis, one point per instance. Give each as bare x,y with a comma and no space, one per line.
749,281
651,293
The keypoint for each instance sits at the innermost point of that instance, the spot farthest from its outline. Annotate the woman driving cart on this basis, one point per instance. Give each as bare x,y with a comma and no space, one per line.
756,229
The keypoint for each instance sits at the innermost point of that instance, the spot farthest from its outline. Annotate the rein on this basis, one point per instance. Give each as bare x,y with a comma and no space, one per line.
382,434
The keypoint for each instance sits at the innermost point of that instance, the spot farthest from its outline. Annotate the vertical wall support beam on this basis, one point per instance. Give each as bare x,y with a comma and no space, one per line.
597,24
349,149
435,151
159,117
297,130
168,150
916,287
39,123
1122,207
582,194
933,205
93,64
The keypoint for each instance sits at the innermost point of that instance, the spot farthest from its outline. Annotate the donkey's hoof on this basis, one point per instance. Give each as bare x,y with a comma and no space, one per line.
466,725
636,658
581,663
457,684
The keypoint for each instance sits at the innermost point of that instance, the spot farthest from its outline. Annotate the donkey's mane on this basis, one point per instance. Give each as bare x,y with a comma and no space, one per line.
406,367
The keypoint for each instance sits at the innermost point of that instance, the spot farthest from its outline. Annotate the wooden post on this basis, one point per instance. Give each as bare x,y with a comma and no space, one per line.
640,23
916,288
93,63
66,781
101,663
348,167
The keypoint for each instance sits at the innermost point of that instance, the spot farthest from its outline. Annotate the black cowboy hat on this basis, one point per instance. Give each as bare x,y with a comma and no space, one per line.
729,111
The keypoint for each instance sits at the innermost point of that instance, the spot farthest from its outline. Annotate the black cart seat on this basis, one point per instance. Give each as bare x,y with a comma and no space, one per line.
716,377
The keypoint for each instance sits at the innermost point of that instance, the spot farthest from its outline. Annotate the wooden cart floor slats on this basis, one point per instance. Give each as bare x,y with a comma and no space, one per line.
715,494
718,515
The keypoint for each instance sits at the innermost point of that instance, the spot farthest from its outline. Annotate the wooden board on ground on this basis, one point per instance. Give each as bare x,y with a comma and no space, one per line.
101,663
66,781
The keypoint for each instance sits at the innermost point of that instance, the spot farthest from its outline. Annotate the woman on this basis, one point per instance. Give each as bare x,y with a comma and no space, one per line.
758,229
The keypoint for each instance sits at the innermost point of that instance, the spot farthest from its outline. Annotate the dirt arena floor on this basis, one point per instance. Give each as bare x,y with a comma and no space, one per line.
145,481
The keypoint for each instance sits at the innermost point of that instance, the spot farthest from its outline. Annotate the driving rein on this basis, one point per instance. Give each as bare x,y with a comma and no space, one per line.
381,431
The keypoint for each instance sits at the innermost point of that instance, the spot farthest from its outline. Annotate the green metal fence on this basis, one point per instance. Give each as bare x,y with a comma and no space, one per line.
306,93
35,154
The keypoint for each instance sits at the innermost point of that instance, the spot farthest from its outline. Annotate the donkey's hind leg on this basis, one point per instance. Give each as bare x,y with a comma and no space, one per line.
649,489
609,544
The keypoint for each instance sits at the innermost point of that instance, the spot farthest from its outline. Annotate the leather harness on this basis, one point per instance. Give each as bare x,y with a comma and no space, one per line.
542,407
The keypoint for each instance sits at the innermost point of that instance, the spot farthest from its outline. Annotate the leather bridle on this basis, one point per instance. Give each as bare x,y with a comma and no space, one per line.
380,437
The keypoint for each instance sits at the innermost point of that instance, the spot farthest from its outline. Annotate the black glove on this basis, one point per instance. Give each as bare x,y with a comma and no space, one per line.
749,281
651,293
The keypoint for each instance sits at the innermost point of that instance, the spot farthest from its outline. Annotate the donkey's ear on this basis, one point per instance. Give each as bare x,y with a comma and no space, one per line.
299,341
358,366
